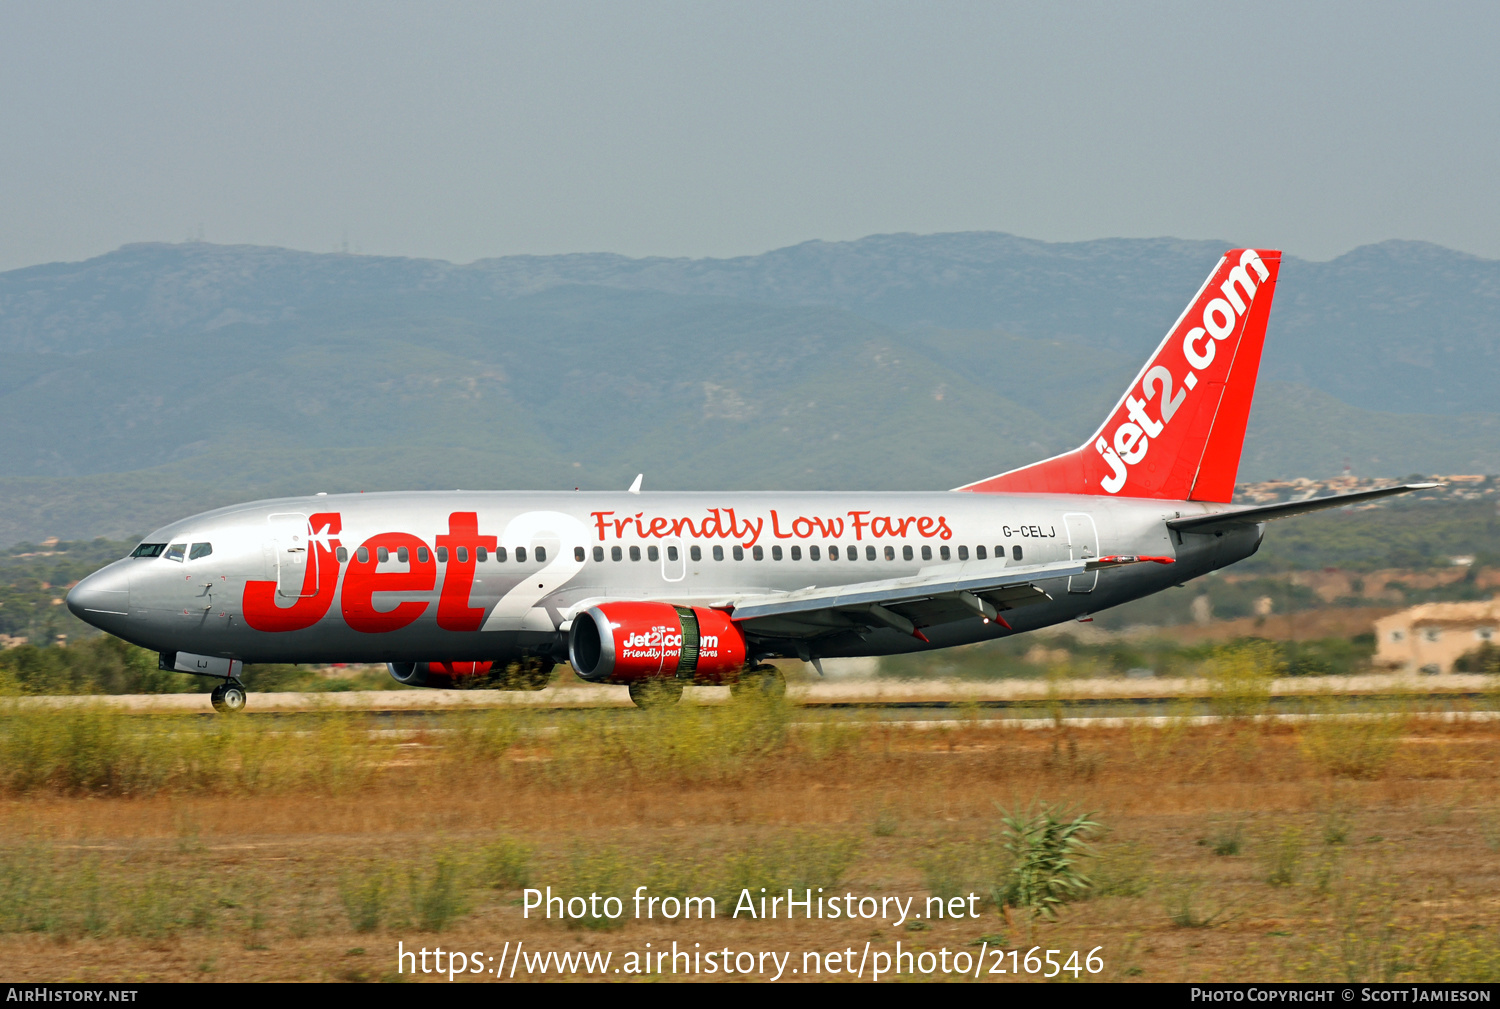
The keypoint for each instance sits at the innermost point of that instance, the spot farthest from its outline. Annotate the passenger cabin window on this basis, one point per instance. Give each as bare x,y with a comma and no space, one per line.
541,554
739,553
718,552
403,555
442,555
833,553
500,555
963,553
812,554
363,553
944,553
1015,551
758,553
422,555
890,553
463,555
200,550
520,555
695,552
598,553
653,554
869,553
342,555
979,554
906,553
616,554
1000,553
176,552
481,555
776,553
796,553
672,553
926,552
635,553
148,550
578,554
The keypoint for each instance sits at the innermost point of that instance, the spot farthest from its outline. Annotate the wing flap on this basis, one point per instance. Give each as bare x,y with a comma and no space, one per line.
981,577
950,593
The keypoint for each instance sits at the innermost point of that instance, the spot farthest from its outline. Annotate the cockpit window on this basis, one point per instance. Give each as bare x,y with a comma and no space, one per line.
148,550
176,551
200,550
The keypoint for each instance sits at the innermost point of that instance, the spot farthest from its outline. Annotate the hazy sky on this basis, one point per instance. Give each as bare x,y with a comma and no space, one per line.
461,131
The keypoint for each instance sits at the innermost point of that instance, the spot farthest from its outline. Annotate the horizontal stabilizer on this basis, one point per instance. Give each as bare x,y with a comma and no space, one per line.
1268,513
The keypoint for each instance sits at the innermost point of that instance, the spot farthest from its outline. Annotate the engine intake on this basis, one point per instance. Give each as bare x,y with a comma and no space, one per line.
622,642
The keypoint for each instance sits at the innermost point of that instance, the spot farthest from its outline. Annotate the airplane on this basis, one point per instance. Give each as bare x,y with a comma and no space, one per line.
492,589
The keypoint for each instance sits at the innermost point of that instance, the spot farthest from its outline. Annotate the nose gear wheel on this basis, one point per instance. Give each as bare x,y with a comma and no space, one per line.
228,698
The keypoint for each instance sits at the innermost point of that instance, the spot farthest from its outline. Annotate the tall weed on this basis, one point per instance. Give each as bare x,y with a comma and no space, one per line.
91,749
1352,745
1240,676
1048,852
1282,857
505,864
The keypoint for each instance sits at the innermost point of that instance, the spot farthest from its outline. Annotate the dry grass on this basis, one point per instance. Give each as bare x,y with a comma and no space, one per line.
187,848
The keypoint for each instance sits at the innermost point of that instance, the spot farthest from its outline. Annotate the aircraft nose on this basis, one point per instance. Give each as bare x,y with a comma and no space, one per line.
103,597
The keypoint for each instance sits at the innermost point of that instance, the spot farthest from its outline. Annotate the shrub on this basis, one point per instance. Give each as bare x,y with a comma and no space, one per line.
802,862
1185,910
505,864
437,895
89,749
1239,678
1226,842
364,899
1283,857
605,872
1352,745
1123,870
1047,852
1484,659
954,871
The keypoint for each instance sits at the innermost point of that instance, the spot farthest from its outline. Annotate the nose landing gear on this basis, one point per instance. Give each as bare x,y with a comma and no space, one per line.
228,697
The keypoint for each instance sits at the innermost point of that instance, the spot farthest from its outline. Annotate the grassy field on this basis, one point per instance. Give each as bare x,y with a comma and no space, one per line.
139,847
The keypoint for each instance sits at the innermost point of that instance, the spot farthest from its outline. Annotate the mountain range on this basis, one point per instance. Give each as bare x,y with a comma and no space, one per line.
160,379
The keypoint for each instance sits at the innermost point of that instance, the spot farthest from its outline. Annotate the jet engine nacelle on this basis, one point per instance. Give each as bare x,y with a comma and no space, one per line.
527,673
626,641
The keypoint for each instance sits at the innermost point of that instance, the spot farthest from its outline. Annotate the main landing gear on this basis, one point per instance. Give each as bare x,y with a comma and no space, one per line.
763,681
228,697
655,693
760,681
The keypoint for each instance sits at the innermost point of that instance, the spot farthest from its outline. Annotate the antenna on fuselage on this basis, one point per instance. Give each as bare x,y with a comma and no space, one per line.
635,488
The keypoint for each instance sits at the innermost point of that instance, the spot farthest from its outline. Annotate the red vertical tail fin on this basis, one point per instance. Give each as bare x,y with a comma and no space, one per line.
1178,431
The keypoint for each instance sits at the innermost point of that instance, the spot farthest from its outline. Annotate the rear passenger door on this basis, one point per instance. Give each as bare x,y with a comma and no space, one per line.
1083,544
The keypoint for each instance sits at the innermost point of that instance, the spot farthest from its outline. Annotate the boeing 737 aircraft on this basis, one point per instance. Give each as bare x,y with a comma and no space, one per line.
657,590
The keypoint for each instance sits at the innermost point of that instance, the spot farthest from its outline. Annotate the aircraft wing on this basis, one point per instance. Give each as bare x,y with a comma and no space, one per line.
969,589
1266,513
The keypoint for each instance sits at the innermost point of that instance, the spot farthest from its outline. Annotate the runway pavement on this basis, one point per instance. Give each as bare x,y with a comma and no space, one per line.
895,694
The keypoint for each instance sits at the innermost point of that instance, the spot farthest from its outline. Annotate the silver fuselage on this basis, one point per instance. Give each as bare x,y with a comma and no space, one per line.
512,607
